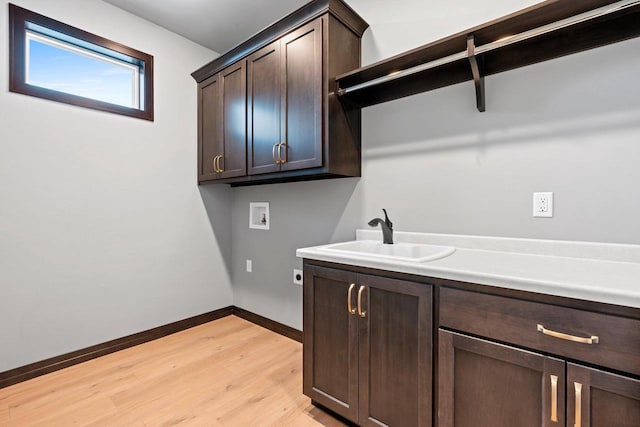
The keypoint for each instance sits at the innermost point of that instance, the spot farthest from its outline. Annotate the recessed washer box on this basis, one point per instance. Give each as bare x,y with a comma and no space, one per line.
259,215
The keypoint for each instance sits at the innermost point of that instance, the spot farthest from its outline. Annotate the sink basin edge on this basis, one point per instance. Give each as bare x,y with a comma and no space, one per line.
401,252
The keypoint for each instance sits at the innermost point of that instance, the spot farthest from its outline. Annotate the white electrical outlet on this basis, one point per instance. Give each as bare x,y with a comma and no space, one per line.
249,266
543,204
297,277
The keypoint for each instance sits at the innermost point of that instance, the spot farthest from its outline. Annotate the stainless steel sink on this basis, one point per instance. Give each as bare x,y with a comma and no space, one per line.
405,252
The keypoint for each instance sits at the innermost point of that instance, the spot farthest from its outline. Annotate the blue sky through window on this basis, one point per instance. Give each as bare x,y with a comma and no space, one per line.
66,69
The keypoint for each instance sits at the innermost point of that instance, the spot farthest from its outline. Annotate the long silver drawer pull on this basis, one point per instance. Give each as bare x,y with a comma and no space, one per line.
593,339
554,398
578,416
349,307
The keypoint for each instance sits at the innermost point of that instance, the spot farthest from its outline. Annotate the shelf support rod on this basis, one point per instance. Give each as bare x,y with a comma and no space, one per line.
478,78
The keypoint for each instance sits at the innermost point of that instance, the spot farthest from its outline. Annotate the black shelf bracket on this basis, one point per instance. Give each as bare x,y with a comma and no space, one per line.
478,75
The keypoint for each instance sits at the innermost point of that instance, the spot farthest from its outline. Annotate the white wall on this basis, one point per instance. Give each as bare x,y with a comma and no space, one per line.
570,125
103,231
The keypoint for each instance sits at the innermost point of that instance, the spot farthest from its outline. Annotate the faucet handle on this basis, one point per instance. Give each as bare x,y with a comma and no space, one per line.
386,218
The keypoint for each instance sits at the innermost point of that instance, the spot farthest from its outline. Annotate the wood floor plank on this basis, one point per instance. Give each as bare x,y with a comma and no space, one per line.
117,419
194,353
79,413
4,415
51,403
228,372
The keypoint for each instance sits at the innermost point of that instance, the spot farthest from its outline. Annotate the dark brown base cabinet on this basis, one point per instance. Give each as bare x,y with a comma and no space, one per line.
367,347
605,399
503,357
482,383
487,384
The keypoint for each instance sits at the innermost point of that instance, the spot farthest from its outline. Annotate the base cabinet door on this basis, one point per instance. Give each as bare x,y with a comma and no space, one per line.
481,383
368,347
395,352
330,352
601,399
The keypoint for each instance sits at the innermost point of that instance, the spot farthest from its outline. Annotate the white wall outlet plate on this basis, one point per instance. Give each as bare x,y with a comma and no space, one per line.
249,266
259,215
543,204
297,276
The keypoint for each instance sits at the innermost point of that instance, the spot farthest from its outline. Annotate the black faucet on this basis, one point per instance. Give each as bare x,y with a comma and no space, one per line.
387,228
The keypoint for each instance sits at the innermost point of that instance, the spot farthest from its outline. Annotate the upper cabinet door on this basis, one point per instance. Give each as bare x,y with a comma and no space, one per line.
302,97
209,127
222,124
232,161
263,113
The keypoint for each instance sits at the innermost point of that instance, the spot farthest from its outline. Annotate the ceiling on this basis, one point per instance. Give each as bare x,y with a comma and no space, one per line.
216,24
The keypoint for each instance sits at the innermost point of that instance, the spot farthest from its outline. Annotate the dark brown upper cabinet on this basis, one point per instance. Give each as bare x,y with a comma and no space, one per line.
208,127
222,122
302,98
295,127
284,103
264,109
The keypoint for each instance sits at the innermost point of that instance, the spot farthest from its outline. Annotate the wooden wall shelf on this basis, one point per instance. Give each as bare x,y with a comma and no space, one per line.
544,31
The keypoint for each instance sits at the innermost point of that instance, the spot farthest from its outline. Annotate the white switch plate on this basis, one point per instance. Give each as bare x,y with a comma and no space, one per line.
297,277
249,266
543,204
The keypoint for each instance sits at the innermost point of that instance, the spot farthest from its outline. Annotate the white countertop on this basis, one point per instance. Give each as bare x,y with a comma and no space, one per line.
601,272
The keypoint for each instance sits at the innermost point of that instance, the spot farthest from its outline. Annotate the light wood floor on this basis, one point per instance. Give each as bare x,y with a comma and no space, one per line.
229,372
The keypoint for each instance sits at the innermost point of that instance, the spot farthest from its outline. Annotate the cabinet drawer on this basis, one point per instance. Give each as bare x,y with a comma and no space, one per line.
601,339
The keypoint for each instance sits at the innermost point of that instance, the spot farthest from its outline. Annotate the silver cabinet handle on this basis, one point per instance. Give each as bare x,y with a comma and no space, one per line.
273,153
593,339
282,160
